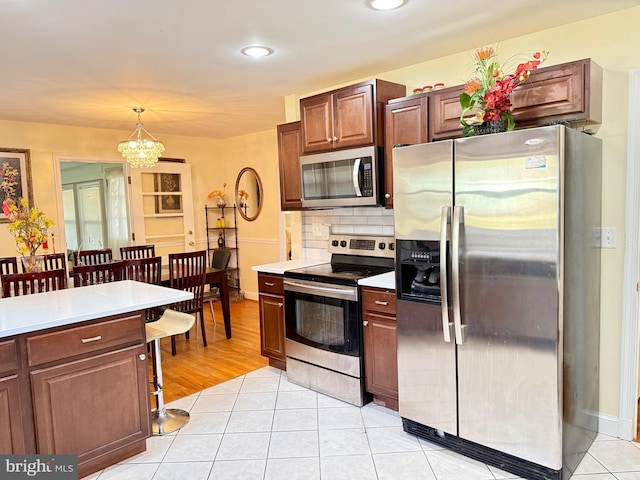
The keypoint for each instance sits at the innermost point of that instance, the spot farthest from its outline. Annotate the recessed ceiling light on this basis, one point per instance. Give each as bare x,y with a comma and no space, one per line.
385,4
257,51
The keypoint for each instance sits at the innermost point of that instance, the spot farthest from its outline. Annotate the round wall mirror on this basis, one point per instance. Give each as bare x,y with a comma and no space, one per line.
249,194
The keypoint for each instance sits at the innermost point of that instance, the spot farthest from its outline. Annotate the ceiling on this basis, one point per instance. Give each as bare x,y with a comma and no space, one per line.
88,63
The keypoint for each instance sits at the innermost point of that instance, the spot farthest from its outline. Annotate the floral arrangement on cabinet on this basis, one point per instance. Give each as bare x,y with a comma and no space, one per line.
30,229
490,90
219,194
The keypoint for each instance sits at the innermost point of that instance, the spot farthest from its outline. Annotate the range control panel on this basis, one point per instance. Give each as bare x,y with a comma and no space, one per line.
365,245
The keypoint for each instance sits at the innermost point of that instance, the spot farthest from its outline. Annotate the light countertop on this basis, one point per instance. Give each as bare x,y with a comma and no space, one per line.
280,267
29,313
385,280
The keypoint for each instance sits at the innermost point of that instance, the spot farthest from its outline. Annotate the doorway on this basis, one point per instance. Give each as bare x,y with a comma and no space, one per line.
93,204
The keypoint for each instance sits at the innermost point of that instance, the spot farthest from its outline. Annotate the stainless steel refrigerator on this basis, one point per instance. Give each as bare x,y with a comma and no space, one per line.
498,286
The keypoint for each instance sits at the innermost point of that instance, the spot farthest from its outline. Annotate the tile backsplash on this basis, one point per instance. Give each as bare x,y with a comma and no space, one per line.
317,224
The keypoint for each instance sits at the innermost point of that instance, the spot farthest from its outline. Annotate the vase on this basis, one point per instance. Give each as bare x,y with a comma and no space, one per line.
490,126
221,203
32,264
241,201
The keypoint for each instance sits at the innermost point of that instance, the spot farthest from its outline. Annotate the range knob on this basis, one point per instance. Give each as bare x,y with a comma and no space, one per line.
382,245
343,243
334,243
392,246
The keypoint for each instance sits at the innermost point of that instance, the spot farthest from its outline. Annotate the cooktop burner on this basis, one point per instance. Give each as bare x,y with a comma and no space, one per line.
363,257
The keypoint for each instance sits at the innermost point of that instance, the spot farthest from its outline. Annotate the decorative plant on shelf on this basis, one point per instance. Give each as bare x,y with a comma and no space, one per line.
30,229
219,194
490,90
243,196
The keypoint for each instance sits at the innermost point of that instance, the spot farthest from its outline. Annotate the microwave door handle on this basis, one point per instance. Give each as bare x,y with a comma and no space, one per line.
356,177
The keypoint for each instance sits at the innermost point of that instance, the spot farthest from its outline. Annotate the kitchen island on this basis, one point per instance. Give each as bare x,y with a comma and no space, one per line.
74,374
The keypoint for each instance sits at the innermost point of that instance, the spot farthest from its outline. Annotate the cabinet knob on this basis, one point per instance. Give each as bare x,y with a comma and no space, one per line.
142,356
190,232
280,304
365,323
191,244
329,139
387,195
335,139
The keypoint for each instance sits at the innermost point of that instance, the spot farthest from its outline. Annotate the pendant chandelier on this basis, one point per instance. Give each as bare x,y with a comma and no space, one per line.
139,151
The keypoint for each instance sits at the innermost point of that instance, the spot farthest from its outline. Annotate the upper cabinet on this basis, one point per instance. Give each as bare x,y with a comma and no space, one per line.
569,92
348,117
405,124
289,150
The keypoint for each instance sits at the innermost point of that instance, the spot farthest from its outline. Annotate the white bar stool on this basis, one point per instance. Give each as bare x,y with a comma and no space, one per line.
165,420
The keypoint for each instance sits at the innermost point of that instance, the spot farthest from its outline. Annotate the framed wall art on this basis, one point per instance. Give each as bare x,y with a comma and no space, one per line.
15,176
168,183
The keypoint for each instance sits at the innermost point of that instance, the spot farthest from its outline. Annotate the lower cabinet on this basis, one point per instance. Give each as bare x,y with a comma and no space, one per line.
380,345
80,390
92,407
12,439
271,300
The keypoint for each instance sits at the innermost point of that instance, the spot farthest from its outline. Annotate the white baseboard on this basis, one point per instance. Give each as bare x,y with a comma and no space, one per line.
609,425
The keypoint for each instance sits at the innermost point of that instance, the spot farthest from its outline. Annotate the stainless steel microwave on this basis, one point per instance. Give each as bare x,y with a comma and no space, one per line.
342,178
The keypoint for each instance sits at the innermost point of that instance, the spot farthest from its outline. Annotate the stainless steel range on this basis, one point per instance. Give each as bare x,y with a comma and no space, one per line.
323,316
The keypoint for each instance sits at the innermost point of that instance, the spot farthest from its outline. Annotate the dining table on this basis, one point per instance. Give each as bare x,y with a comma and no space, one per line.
216,277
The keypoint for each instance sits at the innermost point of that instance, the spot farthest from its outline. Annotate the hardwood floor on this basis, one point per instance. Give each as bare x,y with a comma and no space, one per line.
196,367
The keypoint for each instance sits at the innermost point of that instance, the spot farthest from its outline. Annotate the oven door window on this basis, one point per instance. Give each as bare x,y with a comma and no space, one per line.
322,322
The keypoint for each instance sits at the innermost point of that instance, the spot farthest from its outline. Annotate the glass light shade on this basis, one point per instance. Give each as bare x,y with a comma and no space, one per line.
385,4
141,152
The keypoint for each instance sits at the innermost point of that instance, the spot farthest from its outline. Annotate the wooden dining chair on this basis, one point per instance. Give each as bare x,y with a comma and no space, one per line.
147,270
137,251
16,284
84,275
219,260
187,271
92,257
8,265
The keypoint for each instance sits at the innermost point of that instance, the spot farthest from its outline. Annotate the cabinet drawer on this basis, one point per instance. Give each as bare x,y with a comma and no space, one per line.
379,300
86,339
270,284
8,356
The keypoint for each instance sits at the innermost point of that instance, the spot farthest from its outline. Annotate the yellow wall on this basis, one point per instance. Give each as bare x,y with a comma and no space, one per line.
606,39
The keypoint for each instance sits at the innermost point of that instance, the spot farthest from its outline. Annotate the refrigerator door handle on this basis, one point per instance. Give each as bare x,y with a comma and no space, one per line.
458,218
444,302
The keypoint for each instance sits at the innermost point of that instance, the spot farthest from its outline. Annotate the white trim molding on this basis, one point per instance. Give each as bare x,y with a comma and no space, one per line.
630,313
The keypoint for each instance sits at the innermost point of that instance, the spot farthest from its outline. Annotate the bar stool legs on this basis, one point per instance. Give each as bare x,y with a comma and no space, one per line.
165,420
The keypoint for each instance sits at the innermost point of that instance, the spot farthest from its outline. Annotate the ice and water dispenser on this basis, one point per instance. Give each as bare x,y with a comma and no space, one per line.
418,271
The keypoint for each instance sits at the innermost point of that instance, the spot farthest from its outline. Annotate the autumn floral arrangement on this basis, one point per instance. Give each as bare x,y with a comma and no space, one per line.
29,227
490,90
219,194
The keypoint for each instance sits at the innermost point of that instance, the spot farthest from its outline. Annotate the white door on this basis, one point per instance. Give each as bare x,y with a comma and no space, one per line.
162,207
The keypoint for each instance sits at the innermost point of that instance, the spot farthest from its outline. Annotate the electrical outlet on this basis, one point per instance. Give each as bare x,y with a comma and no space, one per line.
608,237
325,231
316,229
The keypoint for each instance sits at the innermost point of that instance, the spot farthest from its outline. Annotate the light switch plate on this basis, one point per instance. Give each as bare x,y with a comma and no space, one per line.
608,237
316,229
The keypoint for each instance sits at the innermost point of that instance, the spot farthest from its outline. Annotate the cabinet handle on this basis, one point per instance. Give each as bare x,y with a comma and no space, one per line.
365,323
280,304
335,139
142,356
270,284
387,195
329,139
92,339
378,302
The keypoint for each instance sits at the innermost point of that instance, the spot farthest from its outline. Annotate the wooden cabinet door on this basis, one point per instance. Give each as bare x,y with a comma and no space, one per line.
444,113
380,359
12,431
353,116
405,124
289,150
316,120
272,326
93,406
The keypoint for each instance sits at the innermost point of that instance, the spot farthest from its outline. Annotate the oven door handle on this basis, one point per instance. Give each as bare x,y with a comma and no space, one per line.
328,291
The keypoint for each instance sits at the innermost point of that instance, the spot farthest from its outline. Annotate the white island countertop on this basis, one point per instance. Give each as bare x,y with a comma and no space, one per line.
385,280
29,313
279,268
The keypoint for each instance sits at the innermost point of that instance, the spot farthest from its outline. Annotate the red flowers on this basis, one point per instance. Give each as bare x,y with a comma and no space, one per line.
490,91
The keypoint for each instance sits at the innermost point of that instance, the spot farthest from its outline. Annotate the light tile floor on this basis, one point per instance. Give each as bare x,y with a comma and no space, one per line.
261,426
